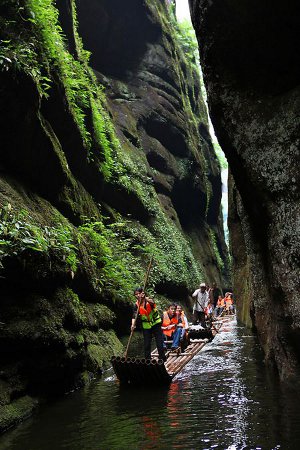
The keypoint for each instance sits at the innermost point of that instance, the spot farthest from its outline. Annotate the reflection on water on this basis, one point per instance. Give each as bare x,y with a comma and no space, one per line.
224,399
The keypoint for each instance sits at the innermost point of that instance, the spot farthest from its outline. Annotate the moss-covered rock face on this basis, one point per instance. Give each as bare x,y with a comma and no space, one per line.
251,66
105,162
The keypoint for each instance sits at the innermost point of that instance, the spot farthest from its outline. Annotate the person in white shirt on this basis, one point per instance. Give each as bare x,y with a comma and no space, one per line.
201,301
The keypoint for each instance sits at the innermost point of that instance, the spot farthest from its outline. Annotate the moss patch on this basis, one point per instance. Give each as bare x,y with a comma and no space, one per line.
16,411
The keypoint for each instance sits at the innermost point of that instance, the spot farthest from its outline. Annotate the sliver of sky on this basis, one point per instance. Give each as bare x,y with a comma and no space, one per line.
182,10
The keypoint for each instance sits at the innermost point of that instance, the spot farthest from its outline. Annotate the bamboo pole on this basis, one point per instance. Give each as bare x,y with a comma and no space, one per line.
139,304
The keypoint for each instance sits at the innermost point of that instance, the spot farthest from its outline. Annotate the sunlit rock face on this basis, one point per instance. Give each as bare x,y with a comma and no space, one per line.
251,64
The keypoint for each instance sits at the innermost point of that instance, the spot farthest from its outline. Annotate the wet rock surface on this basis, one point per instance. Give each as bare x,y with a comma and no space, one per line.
251,70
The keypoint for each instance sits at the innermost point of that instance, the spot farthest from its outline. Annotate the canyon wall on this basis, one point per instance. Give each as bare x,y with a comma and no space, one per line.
250,57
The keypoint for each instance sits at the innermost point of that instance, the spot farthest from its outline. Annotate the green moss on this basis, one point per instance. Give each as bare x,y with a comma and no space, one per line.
103,315
16,411
173,253
83,315
213,240
101,348
188,41
55,144
80,339
221,157
83,55
173,258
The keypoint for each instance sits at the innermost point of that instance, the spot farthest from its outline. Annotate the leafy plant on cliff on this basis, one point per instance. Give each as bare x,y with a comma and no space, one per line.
44,17
118,270
187,38
173,253
18,234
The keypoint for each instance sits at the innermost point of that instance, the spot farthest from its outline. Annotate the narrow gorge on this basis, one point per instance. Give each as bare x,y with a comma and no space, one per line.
107,161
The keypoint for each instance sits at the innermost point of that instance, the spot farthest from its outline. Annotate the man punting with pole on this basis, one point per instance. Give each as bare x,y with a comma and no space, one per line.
151,323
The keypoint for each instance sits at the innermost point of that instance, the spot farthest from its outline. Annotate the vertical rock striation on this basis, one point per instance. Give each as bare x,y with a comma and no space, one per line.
251,62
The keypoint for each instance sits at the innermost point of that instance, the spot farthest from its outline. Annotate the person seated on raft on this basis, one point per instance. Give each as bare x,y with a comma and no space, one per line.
151,323
182,321
229,303
220,306
209,310
169,326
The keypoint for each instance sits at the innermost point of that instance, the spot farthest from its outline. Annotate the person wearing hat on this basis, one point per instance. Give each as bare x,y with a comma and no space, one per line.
201,297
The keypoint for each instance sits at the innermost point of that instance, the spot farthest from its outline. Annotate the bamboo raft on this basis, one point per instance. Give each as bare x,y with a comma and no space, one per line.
138,371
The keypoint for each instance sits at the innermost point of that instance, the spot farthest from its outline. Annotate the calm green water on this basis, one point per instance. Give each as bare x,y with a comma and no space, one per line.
224,399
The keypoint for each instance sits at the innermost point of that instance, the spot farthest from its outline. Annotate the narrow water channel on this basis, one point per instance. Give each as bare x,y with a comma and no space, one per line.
224,399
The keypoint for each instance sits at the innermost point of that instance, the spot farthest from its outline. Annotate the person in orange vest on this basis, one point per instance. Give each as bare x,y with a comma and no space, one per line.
229,303
220,306
151,323
170,327
209,310
182,320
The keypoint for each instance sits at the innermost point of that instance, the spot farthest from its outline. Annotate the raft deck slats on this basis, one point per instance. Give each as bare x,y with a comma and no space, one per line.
177,365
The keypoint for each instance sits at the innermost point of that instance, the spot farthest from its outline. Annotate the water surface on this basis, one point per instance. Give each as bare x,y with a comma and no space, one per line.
224,399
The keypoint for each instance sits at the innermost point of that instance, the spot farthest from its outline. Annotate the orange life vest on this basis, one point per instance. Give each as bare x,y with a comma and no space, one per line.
167,321
149,315
221,303
229,301
145,311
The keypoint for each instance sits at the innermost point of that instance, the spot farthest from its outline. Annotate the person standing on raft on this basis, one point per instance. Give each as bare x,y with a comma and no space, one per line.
151,323
201,301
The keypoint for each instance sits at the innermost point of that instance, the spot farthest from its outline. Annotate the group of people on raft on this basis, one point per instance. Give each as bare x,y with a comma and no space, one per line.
173,324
